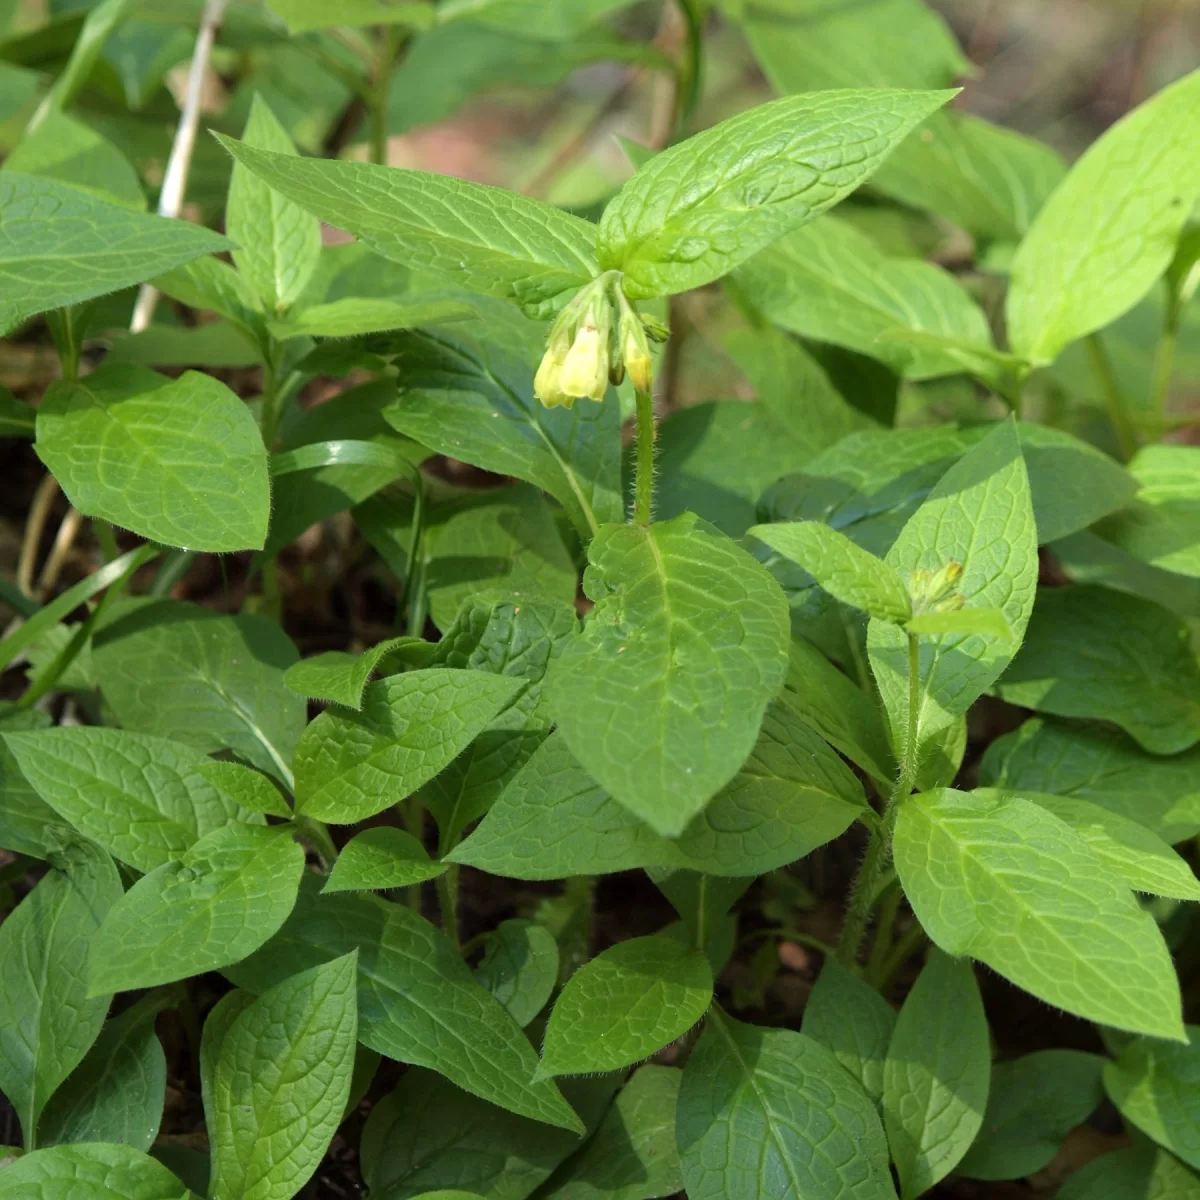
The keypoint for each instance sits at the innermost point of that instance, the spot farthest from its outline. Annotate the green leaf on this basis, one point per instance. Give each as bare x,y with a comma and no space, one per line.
1109,230
1035,1101
848,573
1157,1088
632,1156
808,45
350,765
768,1112
1161,526
986,622
97,26
516,639
17,418
1103,767
380,858
486,239
305,15
979,514
47,1019
209,283
278,241
417,999
831,283
207,679
1142,859
1093,652
662,694
792,795
1140,1172
990,180
218,903
143,798
352,316
217,1024
28,825
98,1171
531,18
1100,956
841,712
177,461
428,1135
70,152
625,1005
116,1094
935,1078
282,1081
339,677
520,968
870,482
475,403
697,210
853,1020
246,788
88,247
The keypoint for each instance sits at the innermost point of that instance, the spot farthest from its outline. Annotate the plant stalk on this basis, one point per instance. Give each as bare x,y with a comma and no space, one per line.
447,894
1118,408
643,496
1164,366
879,847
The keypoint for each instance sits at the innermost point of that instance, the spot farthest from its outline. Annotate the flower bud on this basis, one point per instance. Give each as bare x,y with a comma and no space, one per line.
635,351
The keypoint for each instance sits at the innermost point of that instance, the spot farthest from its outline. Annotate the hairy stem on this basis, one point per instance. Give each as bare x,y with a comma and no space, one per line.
1118,408
879,847
447,894
643,496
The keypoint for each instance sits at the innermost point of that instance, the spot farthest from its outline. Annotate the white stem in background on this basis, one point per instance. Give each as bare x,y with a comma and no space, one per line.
170,198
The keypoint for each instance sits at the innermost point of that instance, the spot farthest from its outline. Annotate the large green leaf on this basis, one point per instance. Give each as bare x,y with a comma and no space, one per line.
632,1156
1157,1088
1141,858
485,238
207,679
1007,882
1109,230
475,403
430,1136
792,795
218,903
990,180
935,1078
47,1019
351,765
59,246
282,1081
662,694
178,461
625,1005
870,482
1035,1101
1103,767
143,798
278,241
980,515
852,1019
68,151
832,283
697,210
1140,1172
417,999
116,1094
768,1112
27,822
99,1171
520,968
1161,526
1094,652
380,858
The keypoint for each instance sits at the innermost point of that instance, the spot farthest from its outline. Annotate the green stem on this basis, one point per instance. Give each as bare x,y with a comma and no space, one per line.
879,846
414,582
66,327
907,944
883,928
643,496
1118,409
317,834
1164,365
393,41
690,75
412,814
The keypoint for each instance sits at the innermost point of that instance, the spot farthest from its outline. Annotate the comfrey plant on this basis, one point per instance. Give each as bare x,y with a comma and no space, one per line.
903,710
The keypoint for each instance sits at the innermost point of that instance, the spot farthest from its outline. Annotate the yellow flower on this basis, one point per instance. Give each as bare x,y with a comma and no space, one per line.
585,369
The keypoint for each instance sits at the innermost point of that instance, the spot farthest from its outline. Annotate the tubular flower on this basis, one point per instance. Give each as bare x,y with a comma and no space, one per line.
635,349
933,591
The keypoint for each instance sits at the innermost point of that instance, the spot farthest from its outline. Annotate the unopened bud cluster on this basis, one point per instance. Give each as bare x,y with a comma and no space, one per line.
594,341
933,591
